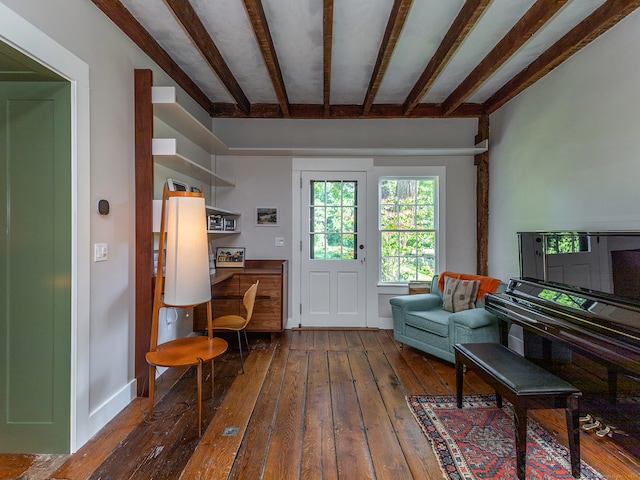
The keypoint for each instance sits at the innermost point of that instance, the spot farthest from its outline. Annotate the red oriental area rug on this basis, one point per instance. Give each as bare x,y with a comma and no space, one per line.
477,441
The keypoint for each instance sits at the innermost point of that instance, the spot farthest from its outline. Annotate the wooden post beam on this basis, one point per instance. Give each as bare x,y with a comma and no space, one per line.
482,199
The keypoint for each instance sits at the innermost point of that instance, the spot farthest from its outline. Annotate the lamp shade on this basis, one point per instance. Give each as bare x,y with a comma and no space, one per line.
187,253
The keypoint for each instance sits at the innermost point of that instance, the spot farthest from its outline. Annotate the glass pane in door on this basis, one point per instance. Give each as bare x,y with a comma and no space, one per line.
333,229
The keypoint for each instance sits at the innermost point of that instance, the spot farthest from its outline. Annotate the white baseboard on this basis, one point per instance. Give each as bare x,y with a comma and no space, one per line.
102,415
385,323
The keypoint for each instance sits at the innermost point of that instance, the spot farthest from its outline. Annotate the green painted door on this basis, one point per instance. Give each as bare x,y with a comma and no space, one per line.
35,267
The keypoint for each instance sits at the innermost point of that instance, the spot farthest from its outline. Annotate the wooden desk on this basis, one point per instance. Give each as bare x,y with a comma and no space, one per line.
229,284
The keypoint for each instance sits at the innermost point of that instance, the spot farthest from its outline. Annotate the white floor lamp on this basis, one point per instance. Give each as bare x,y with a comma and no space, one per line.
185,283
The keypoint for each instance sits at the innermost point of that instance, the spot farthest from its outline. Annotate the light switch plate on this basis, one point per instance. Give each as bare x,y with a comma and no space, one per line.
100,252
279,241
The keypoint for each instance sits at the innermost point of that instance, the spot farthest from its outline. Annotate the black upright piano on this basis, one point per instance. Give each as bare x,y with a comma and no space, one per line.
600,331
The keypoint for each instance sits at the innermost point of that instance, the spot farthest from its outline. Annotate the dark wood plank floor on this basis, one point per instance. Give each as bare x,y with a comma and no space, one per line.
317,404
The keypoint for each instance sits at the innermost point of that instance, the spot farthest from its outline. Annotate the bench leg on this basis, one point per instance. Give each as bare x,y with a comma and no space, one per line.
459,380
573,431
520,417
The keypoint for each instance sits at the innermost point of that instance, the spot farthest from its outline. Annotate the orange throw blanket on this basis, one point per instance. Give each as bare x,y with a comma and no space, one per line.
487,284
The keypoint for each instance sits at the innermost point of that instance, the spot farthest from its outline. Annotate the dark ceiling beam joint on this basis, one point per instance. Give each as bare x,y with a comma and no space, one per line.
601,20
318,111
258,20
468,16
532,21
200,37
396,21
126,22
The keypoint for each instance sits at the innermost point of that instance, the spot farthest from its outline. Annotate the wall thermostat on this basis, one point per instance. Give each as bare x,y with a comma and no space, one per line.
103,207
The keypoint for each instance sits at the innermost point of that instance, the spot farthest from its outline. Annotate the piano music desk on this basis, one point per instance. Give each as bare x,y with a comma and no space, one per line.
527,386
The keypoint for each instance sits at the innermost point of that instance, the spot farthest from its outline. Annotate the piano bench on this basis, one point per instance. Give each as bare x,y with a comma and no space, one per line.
527,386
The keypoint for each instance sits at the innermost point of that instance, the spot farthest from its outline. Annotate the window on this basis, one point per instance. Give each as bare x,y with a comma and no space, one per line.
408,228
333,208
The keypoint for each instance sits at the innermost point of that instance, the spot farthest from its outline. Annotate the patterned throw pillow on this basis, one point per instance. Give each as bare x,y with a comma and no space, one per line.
459,295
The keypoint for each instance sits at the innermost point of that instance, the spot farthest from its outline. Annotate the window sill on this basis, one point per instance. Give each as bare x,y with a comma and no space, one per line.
393,288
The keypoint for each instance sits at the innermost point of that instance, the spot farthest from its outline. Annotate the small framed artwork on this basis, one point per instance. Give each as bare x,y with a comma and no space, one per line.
267,216
177,186
230,257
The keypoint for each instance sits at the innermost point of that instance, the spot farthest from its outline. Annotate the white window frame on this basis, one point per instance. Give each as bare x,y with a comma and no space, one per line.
407,173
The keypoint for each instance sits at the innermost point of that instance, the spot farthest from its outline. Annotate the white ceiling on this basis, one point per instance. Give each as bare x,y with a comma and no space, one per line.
296,27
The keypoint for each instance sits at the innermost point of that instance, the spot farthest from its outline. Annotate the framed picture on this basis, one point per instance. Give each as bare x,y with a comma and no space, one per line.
177,186
267,216
230,257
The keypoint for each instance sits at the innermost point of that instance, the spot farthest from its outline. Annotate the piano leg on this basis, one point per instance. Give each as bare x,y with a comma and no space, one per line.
547,354
504,332
573,432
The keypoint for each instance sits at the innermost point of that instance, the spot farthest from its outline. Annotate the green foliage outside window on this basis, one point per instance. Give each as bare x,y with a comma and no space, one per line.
333,226
408,235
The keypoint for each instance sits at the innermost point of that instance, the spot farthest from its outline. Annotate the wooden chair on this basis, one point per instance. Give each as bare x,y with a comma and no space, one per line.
238,323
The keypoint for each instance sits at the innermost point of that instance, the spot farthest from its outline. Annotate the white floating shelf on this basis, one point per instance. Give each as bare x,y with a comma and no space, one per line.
167,109
220,211
165,152
223,232
362,151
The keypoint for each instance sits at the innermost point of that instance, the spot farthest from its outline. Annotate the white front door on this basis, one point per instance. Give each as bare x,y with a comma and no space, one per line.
333,266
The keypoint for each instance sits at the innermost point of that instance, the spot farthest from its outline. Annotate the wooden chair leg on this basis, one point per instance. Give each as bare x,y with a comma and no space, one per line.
200,397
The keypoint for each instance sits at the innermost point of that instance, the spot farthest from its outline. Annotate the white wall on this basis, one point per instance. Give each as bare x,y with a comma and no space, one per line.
346,133
260,182
565,153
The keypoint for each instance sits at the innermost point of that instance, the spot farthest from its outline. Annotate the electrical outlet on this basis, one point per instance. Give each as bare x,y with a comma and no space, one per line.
279,241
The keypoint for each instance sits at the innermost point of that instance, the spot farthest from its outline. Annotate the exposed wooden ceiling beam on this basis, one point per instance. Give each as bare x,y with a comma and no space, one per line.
535,18
317,111
327,42
601,20
123,19
467,17
396,21
263,35
200,37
